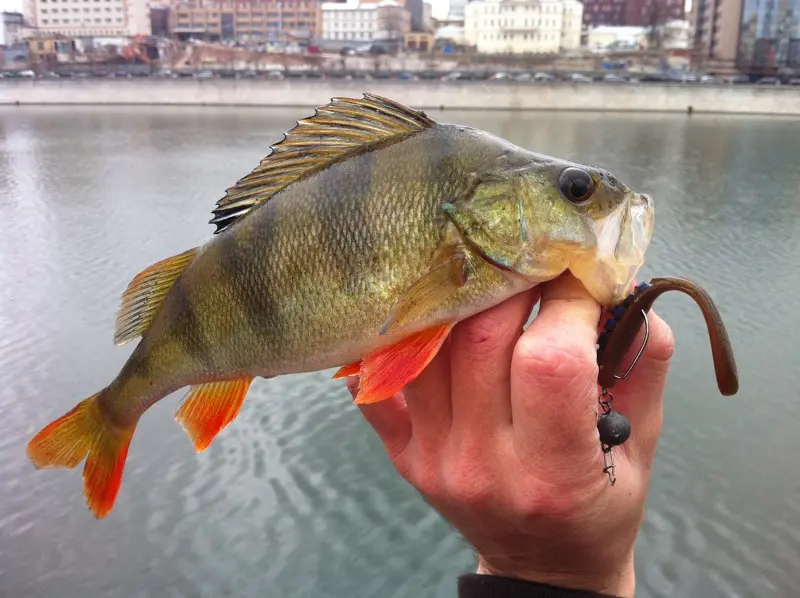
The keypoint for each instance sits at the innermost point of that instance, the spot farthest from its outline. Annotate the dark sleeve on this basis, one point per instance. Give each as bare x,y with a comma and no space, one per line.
474,585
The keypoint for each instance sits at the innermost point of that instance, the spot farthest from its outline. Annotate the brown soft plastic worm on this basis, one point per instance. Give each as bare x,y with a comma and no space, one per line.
620,336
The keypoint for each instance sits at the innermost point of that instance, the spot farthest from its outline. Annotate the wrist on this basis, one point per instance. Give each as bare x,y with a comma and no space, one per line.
620,583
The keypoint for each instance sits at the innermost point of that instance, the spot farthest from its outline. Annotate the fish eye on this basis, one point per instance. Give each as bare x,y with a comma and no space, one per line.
576,185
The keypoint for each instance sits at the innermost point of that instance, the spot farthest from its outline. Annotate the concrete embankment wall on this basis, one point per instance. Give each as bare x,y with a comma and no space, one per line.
420,94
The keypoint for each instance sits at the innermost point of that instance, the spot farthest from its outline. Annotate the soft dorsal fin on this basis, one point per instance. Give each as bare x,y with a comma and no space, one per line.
337,131
145,294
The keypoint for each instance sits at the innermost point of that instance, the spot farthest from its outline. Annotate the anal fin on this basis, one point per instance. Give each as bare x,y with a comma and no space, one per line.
387,370
145,294
210,407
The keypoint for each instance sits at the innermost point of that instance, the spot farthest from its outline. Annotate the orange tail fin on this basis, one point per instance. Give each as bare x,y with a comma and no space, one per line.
84,432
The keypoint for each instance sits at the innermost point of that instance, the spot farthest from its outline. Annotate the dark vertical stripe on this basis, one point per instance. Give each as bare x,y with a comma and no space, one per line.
187,324
346,213
248,262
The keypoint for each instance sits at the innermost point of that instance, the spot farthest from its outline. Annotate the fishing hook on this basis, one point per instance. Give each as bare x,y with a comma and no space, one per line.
618,336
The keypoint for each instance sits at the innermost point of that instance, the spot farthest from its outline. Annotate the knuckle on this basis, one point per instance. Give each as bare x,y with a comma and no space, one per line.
481,335
550,506
423,474
555,361
468,486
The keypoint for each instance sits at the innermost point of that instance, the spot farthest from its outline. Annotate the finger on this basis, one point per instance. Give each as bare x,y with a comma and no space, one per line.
428,401
388,418
640,395
554,376
480,366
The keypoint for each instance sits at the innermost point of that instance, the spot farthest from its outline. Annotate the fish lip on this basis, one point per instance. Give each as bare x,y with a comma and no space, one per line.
609,269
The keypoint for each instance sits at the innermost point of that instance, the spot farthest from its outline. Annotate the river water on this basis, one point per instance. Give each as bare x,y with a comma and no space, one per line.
297,497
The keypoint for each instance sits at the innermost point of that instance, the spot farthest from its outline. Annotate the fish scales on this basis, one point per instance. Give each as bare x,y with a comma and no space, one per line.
316,269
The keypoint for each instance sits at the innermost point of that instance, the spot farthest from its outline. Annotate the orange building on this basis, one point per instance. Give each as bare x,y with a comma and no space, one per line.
259,21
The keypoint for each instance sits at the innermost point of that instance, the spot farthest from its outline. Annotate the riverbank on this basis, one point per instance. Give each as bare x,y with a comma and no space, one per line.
429,95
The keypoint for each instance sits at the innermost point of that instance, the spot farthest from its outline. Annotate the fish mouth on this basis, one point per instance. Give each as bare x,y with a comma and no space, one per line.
608,271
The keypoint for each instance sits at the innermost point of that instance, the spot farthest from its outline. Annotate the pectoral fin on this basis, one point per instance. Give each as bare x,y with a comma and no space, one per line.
386,371
348,370
428,293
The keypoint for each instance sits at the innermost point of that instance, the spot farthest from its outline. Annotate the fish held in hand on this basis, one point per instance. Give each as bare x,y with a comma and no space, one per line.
359,242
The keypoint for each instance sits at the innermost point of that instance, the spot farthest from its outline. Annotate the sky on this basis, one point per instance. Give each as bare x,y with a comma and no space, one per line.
11,5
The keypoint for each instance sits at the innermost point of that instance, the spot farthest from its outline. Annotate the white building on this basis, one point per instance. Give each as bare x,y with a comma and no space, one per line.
676,35
91,18
523,26
427,16
364,22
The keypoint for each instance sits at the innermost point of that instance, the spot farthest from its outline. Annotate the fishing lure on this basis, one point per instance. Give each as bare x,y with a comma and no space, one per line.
619,332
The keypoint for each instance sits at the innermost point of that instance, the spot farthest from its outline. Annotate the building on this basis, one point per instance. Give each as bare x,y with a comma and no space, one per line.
48,51
769,38
653,13
604,12
159,20
632,13
419,41
265,21
11,29
523,26
427,17
676,35
716,31
90,18
365,22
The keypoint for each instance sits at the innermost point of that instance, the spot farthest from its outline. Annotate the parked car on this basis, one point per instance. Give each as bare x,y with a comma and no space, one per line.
579,78
544,77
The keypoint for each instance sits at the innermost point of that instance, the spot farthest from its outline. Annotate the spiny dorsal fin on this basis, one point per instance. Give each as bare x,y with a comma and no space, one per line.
338,130
145,294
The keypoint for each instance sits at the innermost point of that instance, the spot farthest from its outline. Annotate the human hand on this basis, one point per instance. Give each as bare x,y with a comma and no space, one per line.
499,435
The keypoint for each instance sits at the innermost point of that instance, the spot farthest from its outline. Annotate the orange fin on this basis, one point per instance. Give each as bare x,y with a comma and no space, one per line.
145,295
348,370
210,407
387,371
84,432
